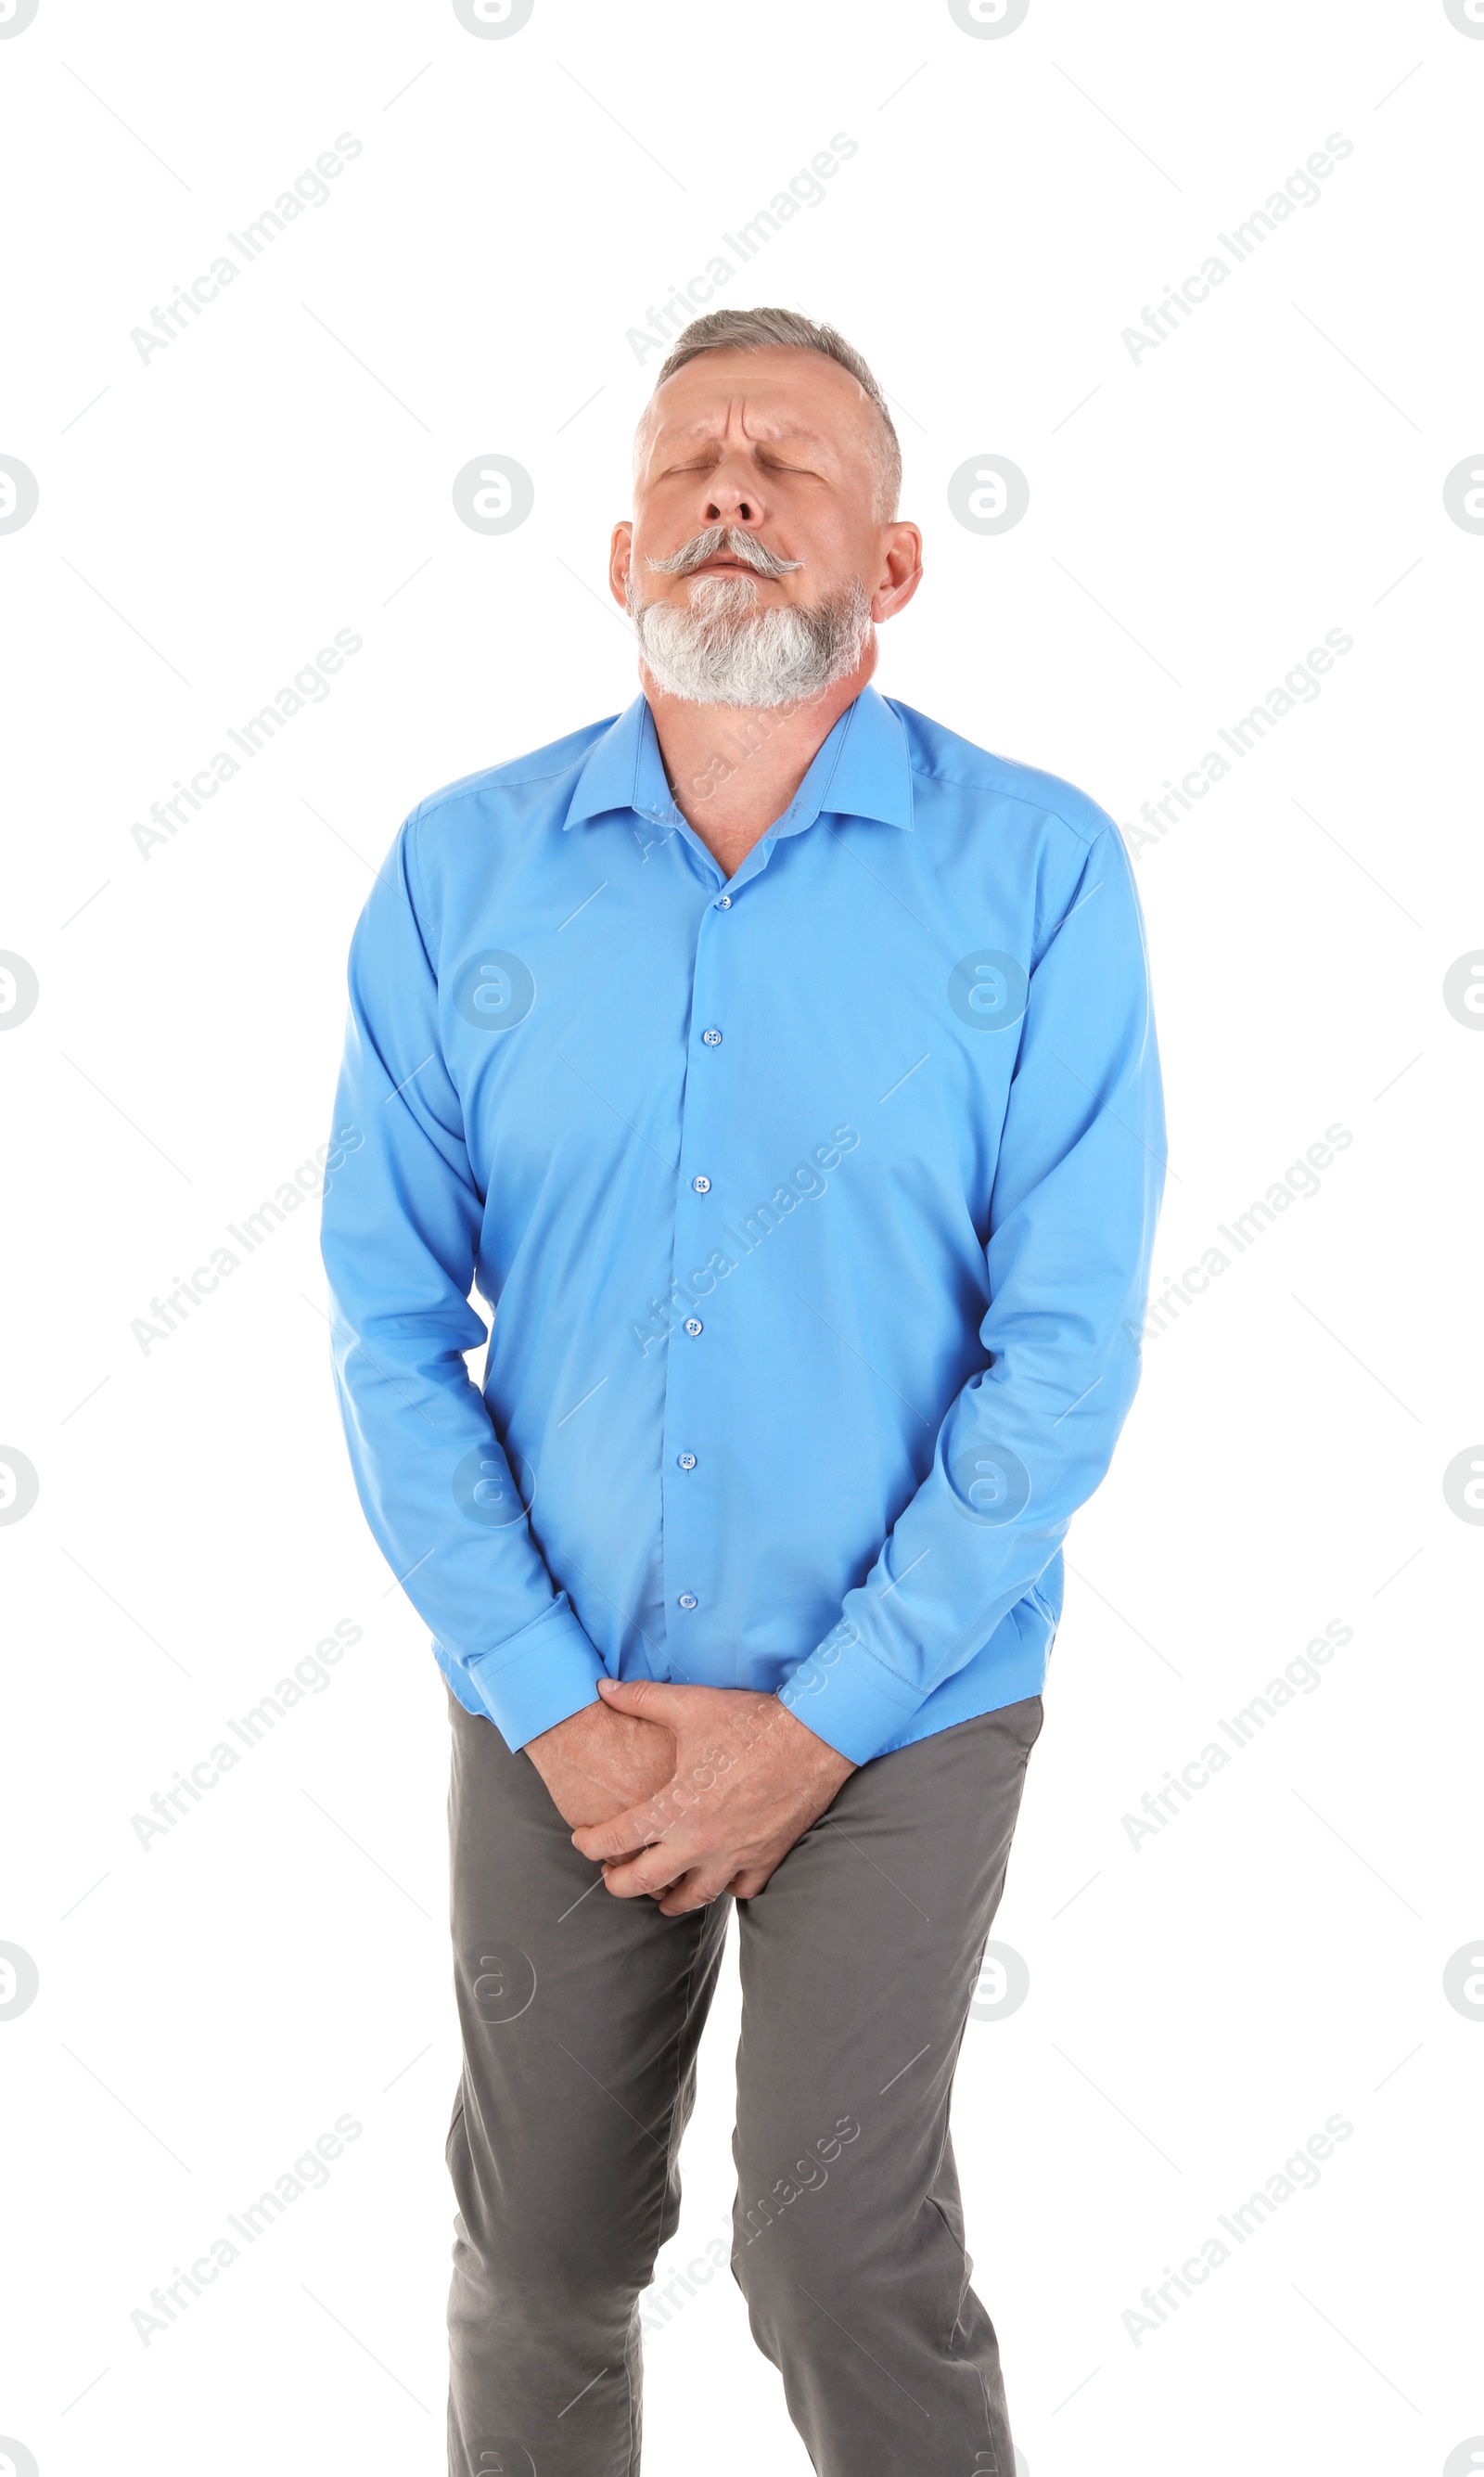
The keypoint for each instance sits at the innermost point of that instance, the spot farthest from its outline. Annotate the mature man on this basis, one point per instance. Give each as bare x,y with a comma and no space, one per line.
780,1068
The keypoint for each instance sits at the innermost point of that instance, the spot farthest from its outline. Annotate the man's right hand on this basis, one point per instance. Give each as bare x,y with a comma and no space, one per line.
599,1762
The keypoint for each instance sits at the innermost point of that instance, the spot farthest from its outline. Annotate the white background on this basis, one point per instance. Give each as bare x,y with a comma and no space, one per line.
1199,2004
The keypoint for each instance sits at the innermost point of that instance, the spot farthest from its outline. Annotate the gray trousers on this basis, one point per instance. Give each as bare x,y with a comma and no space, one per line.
582,2016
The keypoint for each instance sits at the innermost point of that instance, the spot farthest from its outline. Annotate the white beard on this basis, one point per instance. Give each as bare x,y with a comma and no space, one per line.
723,650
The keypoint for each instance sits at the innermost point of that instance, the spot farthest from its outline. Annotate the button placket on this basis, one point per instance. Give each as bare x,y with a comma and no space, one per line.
690,1547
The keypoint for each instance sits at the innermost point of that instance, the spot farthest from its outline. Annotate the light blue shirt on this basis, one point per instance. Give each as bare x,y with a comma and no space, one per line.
813,1207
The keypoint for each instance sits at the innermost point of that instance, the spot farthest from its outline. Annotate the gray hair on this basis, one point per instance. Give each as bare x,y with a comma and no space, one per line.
750,330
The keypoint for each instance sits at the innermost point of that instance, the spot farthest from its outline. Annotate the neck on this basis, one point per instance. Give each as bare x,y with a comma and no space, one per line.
734,770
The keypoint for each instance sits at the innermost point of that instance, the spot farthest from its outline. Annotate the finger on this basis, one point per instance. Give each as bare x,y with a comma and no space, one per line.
650,1874
749,1882
695,1891
645,1698
636,1828
651,1869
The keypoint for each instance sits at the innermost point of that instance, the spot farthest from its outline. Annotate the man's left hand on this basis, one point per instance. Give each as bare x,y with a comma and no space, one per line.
748,1781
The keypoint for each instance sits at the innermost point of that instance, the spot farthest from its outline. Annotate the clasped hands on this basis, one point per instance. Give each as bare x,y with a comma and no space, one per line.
684,1793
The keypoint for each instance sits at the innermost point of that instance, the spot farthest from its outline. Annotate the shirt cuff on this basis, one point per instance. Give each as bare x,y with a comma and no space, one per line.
540,1676
848,1699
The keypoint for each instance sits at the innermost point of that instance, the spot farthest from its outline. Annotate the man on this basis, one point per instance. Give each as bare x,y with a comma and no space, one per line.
779,1067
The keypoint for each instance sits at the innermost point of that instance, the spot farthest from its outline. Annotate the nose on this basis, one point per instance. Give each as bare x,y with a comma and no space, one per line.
724,508
732,498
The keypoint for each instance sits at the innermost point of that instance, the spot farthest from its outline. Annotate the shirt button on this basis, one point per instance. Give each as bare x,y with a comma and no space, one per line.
723,903
688,1600
687,1462
693,1324
711,1037
702,1186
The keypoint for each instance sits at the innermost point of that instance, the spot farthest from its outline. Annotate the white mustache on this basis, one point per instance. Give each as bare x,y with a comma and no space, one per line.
737,544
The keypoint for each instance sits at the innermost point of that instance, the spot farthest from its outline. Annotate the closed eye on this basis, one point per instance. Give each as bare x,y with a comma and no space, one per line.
777,465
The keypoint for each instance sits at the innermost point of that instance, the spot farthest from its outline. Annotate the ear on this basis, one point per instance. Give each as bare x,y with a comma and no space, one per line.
901,570
620,556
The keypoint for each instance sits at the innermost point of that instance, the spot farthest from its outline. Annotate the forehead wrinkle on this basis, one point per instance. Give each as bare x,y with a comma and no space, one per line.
754,423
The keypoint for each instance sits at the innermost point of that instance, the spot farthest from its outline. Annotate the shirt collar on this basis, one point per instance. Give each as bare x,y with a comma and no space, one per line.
861,769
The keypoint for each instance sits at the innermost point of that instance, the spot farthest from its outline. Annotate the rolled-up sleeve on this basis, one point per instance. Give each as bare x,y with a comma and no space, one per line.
1076,1197
401,1220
